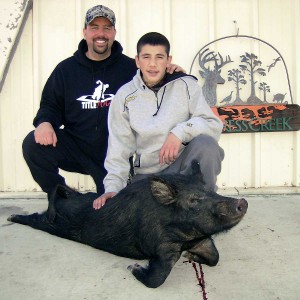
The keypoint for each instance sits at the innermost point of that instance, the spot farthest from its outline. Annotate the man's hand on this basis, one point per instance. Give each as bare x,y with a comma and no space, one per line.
45,135
171,68
100,201
169,151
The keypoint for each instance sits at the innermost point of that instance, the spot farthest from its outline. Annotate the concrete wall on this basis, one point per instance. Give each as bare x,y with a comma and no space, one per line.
54,28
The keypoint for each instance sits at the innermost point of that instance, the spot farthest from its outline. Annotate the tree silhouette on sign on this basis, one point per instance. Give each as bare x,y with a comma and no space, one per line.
252,66
265,88
236,76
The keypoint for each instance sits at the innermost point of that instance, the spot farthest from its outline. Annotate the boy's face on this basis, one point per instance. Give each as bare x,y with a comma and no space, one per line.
152,61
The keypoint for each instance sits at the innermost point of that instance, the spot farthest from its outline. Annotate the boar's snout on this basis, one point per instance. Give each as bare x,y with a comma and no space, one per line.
242,206
229,212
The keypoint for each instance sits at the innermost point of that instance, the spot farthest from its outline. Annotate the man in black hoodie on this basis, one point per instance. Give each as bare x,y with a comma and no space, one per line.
76,97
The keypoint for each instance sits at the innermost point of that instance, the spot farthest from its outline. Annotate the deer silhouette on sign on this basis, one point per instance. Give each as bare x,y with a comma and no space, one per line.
212,77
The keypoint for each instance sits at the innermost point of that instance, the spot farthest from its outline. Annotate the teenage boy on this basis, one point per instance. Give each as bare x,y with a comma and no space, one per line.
161,118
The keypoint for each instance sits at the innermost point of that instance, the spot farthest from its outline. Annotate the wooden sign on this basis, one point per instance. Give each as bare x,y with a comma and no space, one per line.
259,118
255,96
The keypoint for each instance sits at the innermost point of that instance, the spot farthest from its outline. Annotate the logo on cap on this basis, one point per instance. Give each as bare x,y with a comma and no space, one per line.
100,11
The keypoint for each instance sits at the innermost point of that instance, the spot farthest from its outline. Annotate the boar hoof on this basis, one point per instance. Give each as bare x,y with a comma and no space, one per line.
134,267
10,218
152,278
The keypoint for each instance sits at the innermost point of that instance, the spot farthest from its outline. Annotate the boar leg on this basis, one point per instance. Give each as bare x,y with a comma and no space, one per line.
41,222
156,272
204,252
37,221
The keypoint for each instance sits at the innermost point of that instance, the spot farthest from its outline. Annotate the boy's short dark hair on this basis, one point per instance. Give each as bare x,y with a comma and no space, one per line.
154,39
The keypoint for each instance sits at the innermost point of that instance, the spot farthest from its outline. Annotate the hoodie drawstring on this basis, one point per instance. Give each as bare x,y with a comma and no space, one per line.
161,100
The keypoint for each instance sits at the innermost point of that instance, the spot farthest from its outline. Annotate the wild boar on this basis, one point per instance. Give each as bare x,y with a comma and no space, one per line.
156,218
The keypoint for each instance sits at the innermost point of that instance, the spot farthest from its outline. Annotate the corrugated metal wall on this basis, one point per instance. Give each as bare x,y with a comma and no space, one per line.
54,28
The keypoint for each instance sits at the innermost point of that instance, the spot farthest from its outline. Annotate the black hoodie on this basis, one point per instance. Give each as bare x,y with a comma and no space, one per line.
78,94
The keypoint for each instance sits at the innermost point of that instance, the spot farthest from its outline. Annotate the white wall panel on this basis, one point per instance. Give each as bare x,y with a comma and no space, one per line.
52,33
16,113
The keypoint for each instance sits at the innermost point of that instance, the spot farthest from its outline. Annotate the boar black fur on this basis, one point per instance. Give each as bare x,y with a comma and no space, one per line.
156,218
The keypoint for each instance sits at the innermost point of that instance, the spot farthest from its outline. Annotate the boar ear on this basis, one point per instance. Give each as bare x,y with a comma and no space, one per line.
64,191
162,191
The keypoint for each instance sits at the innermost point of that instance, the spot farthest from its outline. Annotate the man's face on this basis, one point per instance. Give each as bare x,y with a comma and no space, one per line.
152,61
99,35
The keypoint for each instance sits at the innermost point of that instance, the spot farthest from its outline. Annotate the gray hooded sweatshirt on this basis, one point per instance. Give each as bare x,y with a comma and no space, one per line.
140,120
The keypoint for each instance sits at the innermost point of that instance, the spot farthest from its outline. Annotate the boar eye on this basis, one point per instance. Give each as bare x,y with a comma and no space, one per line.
194,200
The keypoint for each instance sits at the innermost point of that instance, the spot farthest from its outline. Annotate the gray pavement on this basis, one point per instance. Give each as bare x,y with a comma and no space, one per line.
259,258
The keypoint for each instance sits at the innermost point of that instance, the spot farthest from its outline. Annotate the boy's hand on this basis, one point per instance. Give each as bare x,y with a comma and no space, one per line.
100,201
169,151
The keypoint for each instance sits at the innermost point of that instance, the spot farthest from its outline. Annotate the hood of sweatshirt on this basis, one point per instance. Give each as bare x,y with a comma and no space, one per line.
168,78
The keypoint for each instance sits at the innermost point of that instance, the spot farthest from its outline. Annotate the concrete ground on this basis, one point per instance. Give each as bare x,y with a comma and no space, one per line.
259,258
